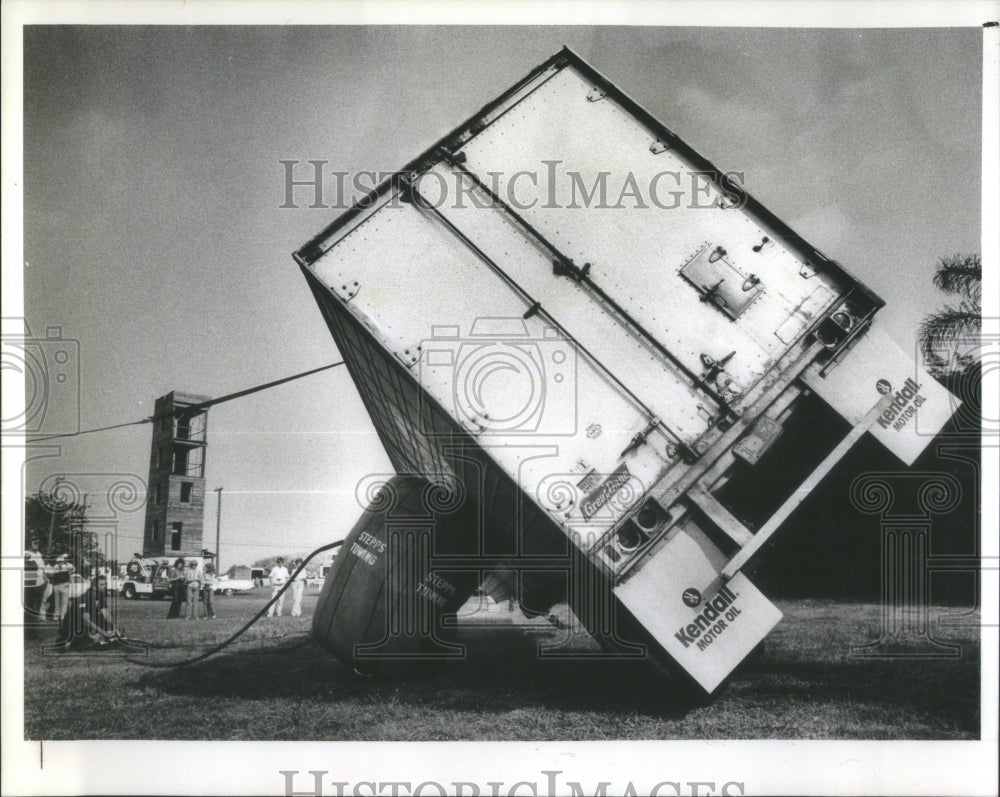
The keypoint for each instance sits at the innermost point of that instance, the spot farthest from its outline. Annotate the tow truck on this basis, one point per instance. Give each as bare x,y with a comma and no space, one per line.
150,576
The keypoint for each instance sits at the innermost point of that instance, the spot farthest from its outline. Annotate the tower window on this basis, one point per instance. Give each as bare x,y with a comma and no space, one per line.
186,492
175,536
191,427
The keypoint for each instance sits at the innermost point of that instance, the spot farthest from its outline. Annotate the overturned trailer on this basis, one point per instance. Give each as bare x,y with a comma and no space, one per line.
580,344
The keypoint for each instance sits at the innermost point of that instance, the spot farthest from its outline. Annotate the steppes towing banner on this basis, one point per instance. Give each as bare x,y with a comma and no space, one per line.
876,367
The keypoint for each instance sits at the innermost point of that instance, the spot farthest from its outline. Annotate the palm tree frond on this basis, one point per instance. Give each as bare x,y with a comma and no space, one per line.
947,334
961,274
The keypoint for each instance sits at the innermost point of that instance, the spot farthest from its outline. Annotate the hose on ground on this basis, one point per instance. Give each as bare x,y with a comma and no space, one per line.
241,631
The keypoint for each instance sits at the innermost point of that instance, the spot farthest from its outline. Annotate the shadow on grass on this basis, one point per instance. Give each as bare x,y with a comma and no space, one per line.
501,672
946,686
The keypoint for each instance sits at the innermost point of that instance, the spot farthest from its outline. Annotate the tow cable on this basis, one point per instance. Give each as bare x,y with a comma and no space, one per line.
234,637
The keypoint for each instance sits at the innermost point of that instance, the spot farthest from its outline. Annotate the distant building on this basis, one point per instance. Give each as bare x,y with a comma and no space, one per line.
175,503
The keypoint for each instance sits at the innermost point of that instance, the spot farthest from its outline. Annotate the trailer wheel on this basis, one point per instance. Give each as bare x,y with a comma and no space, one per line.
381,609
128,592
227,592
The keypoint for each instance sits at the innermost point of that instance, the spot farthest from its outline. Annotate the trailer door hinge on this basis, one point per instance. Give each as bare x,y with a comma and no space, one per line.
658,146
596,94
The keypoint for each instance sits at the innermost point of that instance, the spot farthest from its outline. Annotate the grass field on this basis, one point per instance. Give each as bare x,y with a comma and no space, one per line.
274,684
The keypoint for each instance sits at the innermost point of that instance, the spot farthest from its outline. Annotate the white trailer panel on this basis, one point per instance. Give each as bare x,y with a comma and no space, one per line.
660,219
588,372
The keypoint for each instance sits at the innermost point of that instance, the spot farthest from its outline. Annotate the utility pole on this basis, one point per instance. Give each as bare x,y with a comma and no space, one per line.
77,544
52,511
218,527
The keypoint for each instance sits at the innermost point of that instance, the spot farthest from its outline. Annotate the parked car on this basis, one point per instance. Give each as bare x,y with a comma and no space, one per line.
230,586
114,584
77,585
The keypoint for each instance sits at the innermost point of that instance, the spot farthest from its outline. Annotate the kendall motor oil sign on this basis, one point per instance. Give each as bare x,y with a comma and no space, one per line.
706,625
877,368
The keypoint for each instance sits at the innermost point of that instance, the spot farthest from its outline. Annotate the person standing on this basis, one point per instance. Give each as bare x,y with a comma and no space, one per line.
192,581
208,590
178,590
298,587
278,576
48,596
62,570
35,580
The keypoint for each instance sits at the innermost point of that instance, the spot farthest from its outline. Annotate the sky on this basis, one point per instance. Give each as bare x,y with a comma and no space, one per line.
154,236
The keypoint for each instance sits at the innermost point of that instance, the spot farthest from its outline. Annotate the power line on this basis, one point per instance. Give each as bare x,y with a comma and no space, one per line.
204,405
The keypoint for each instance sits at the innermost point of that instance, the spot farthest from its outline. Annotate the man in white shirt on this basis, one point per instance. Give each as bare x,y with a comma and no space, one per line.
60,576
278,576
34,579
298,587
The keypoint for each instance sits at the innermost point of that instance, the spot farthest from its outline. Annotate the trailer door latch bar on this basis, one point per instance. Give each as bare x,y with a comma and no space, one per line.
533,310
640,437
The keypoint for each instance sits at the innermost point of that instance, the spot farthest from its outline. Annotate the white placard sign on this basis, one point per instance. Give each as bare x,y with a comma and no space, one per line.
706,625
875,367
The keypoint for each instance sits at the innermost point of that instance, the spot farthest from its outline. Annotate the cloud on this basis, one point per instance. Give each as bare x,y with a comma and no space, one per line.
826,227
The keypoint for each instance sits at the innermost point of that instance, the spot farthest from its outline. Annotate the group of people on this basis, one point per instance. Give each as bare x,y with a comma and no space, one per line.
85,620
188,582
278,577
79,606
47,583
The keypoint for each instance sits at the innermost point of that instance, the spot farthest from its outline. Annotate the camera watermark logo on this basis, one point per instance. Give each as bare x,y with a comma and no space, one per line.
49,366
502,378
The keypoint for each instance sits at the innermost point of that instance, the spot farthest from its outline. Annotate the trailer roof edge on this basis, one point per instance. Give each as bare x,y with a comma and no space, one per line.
318,244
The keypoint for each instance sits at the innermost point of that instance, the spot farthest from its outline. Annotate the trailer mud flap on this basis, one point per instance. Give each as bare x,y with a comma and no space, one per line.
878,367
708,627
